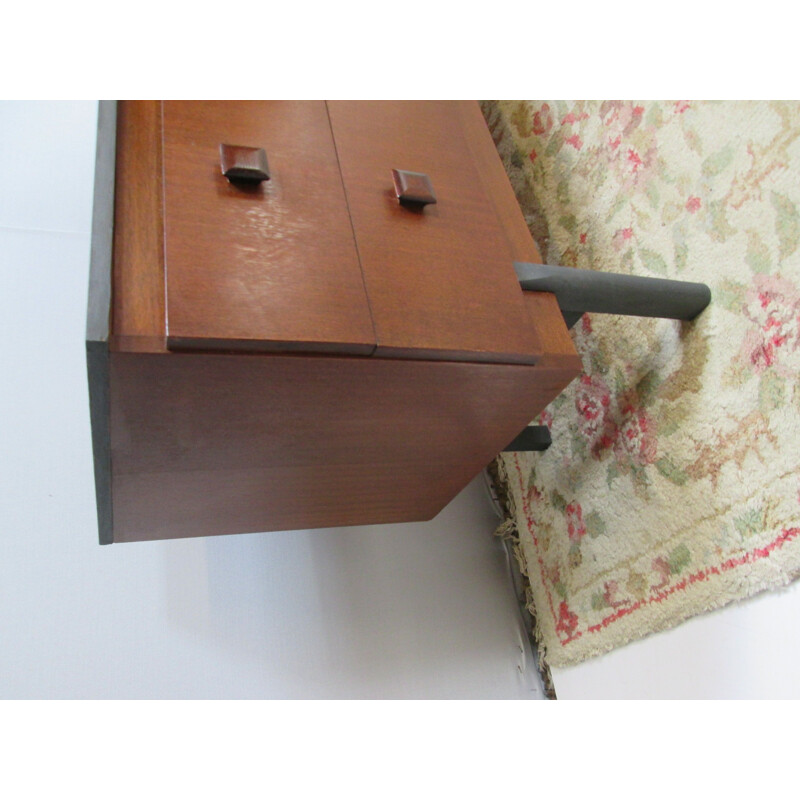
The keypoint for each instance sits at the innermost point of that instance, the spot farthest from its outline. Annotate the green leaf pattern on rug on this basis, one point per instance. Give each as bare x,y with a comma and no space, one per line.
679,559
719,228
558,501
771,392
669,470
750,523
673,428
731,295
652,261
787,224
717,162
595,524
758,257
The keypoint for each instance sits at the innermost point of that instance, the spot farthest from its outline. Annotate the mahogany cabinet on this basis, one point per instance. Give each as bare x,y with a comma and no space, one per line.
292,345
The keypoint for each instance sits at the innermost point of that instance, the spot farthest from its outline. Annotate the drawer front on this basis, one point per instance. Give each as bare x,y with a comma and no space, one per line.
259,266
440,277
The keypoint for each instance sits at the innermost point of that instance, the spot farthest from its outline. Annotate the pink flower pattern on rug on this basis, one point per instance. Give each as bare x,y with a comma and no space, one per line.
671,486
773,307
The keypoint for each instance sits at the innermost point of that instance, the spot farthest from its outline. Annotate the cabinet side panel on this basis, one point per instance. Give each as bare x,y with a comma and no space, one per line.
99,313
546,317
208,444
139,310
496,184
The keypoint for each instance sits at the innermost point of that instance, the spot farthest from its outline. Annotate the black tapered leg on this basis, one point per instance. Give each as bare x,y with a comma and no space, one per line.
533,438
581,290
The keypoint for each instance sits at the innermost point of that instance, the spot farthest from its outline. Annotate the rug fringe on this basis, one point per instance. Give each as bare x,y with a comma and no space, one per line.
508,532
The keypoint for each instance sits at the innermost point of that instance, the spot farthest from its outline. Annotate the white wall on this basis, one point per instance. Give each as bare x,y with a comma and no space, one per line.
403,611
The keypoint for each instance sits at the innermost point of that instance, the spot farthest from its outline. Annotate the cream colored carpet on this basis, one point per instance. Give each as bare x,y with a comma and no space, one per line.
673,483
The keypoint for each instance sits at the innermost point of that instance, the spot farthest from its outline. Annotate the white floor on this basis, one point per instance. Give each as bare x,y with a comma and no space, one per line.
404,611
749,650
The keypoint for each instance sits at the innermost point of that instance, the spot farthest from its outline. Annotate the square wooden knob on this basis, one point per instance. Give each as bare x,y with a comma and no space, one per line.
413,188
246,164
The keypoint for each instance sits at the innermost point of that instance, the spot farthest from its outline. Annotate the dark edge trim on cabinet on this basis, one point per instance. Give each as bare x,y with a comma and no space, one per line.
98,316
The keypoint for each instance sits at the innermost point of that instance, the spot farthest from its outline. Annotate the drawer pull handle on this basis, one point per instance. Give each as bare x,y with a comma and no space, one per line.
243,164
413,188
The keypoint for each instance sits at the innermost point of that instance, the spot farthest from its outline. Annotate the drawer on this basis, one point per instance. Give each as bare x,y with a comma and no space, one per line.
439,278
268,266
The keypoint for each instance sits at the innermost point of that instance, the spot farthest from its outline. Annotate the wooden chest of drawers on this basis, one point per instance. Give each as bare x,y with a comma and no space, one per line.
306,351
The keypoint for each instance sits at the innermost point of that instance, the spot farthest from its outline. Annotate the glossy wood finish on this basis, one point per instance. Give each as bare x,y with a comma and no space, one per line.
437,277
266,267
492,174
138,300
205,443
212,443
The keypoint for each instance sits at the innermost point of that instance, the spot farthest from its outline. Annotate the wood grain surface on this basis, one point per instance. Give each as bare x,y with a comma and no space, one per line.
497,187
440,279
271,266
546,317
138,296
209,443
206,443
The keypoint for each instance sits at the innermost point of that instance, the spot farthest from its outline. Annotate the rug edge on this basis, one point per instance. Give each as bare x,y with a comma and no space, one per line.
580,652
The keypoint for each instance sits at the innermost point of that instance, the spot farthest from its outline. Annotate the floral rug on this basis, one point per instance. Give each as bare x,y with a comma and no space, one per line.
672,486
